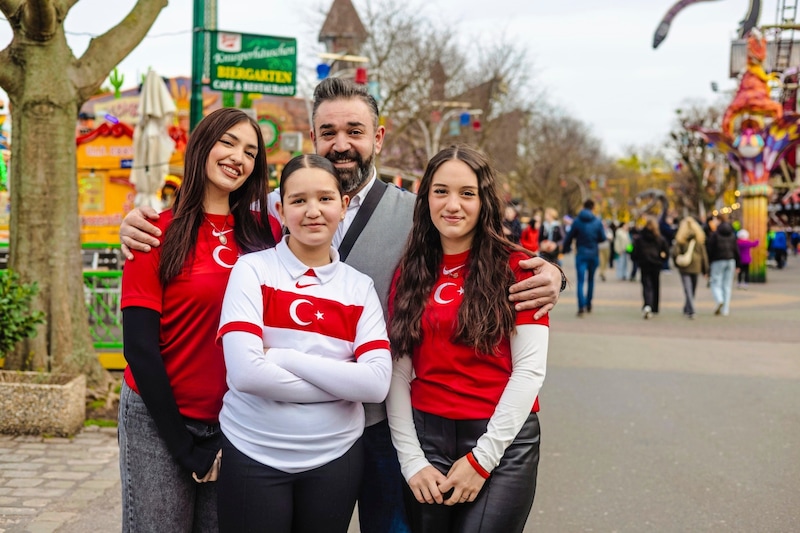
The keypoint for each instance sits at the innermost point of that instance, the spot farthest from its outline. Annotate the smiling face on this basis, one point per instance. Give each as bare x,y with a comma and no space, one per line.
345,133
230,161
311,210
454,205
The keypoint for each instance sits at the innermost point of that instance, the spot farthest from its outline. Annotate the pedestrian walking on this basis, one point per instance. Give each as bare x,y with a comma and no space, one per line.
745,257
622,241
468,368
587,232
551,234
723,255
649,251
604,251
690,239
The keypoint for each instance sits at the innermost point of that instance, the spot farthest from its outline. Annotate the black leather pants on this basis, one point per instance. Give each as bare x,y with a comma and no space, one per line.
504,502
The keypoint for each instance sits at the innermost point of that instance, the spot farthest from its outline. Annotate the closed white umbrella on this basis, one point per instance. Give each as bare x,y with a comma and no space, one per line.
152,145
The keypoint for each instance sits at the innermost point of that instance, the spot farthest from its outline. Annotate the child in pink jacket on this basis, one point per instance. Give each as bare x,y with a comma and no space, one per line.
745,244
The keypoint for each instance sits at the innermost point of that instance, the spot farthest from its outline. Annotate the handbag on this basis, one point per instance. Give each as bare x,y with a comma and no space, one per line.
685,259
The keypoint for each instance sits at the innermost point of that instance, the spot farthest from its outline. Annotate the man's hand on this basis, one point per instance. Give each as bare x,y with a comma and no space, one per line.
540,290
136,233
425,485
465,482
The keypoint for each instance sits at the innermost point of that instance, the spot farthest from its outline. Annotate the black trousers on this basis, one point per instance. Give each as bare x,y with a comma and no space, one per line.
650,287
253,497
504,502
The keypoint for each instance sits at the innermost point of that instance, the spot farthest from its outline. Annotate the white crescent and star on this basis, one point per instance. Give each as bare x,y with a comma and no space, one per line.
437,295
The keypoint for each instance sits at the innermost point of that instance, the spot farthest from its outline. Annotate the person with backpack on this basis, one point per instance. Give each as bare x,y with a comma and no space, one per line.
649,251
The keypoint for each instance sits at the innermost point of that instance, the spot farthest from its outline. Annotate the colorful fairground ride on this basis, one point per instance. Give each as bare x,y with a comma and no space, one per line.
760,129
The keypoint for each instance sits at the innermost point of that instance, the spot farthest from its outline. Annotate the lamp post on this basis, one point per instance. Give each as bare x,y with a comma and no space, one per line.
204,18
432,140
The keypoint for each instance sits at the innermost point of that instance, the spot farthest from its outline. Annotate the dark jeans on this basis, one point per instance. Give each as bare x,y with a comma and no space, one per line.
256,498
689,282
504,502
650,286
380,502
585,267
744,273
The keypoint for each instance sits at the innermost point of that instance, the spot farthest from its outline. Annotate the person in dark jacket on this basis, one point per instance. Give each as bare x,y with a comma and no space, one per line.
723,254
587,232
649,251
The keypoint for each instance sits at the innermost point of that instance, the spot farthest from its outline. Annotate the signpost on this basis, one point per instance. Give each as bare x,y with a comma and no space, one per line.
248,63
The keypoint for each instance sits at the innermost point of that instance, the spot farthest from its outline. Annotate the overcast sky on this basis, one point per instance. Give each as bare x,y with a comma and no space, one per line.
595,58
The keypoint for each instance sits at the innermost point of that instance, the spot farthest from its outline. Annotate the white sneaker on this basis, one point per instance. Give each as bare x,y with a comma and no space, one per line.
647,311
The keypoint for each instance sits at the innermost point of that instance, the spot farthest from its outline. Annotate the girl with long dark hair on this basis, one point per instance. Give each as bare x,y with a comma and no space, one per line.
468,367
169,434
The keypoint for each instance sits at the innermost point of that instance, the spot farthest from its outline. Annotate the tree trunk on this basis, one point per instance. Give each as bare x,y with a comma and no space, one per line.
47,85
45,228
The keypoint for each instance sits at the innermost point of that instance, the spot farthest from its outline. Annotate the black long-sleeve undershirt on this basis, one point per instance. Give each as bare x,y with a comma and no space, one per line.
140,332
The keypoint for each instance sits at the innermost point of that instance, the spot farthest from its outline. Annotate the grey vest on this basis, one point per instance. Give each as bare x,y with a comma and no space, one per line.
377,252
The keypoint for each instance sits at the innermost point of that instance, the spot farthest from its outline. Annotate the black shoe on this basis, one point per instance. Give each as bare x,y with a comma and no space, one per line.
580,312
588,308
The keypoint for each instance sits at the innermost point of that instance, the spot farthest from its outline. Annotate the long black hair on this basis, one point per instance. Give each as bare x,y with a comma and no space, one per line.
251,232
486,315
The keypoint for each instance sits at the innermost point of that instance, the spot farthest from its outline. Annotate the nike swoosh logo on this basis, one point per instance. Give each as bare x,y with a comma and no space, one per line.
303,286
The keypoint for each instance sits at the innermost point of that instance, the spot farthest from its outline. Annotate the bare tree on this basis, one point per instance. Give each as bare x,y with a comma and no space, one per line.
46,85
424,71
559,155
703,175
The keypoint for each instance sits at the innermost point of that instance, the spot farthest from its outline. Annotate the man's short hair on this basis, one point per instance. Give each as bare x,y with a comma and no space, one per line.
588,204
341,89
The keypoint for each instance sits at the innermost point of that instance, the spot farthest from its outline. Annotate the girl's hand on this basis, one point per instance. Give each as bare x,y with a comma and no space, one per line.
465,482
425,485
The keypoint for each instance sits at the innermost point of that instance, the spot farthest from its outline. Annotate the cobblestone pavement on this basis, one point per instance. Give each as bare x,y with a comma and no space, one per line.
72,485
60,484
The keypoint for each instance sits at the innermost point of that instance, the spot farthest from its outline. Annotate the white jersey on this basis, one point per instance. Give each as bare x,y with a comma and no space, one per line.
303,348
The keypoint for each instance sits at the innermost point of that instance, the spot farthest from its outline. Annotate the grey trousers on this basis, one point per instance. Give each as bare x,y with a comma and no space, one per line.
158,495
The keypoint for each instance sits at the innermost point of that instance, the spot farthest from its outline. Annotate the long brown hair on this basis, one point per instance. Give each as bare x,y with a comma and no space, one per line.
251,232
485,316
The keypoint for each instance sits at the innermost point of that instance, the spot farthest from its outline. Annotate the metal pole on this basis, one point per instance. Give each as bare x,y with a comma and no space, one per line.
204,18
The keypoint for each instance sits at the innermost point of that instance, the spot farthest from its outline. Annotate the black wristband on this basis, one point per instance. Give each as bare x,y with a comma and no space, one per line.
563,282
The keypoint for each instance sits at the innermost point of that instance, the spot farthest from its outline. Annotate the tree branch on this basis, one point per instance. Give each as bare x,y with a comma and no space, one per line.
106,51
10,73
10,7
39,19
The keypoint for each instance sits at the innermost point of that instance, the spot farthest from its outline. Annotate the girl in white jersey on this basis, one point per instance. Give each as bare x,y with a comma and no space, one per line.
468,368
305,343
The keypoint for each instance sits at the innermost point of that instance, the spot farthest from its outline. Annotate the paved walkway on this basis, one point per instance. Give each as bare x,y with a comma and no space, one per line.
55,484
72,485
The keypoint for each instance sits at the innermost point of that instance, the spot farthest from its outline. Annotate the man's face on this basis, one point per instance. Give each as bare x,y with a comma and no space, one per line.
344,133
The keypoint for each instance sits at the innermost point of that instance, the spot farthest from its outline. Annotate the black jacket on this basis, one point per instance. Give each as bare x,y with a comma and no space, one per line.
722,244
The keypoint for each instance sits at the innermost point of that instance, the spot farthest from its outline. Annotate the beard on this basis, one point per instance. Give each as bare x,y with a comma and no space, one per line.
352,179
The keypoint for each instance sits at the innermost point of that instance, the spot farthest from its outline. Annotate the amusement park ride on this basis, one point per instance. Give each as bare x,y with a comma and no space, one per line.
760,129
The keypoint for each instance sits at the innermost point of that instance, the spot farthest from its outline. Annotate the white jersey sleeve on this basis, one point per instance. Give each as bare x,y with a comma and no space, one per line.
529,362
248,370
401,420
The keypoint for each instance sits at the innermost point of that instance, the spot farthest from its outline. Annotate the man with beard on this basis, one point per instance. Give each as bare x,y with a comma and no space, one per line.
371,238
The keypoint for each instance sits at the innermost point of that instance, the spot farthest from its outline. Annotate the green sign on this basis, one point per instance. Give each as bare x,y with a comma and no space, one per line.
247,63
